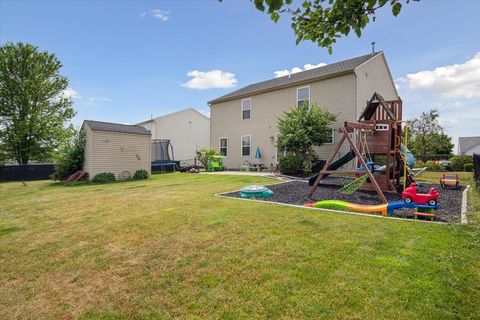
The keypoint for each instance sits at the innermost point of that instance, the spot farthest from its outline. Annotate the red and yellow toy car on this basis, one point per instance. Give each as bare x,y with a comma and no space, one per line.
410,195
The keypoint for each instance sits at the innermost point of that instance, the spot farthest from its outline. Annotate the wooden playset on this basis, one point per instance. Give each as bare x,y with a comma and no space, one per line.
377,148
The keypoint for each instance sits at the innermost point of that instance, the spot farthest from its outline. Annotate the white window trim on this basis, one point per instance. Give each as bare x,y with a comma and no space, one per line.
333,138
241,113
309,99
241,146
220,145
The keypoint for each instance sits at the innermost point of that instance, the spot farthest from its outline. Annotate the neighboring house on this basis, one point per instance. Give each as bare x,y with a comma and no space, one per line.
116,148
468,145
246,119
188,130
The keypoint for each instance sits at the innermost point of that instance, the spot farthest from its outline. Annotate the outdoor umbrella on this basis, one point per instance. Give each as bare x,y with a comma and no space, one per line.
258,154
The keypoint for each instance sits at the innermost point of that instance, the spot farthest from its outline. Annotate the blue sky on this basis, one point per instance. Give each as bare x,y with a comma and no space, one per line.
127,60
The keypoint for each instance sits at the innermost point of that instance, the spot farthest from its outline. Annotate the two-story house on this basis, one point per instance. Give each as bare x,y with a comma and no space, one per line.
245,119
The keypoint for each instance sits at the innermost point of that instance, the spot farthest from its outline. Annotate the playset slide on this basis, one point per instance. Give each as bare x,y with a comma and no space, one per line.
334,165
410,160
351,155
383,209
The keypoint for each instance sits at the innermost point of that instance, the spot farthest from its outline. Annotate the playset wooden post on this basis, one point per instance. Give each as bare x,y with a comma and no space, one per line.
380,124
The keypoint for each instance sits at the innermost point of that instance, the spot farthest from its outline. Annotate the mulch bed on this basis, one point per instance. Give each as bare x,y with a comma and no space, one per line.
295,192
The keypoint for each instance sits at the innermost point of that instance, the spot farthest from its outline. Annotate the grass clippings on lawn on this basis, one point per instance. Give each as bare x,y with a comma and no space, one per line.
167,248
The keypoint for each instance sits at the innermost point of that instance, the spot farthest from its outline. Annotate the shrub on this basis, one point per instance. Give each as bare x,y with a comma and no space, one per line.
458,162
70,158
104,177
434,166
203,156
140,174
291,164
302,128
468,167
431,165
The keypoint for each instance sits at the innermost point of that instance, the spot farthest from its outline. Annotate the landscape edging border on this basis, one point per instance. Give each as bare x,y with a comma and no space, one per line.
222,195
463,213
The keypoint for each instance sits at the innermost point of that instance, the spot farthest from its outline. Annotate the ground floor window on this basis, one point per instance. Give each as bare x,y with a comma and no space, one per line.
331,139
246,145
223,146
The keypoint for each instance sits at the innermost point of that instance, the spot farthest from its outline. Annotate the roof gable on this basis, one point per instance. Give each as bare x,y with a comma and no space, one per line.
467,143
116,127
195,111
332,69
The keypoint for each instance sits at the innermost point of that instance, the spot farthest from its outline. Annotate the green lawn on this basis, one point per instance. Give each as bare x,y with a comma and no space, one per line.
434,177
167,248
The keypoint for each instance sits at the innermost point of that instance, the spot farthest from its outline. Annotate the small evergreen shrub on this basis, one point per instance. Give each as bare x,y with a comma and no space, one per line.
104,177
291,164
140,174
458,162
468,167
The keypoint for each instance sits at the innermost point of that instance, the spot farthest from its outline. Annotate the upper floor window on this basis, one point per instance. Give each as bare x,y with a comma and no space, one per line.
246,145
223,146
246,108
303,96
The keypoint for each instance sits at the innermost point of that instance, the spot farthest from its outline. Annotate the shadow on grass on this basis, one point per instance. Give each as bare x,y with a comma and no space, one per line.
7,230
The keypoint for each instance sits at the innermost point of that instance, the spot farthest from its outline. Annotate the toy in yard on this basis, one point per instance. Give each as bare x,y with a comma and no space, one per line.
450,181
378,133
353,186
163,157
215,163
254,191
384,209
410,195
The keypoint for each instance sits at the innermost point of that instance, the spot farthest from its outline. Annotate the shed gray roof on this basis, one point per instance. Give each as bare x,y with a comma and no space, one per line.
116,127
299,77
467,143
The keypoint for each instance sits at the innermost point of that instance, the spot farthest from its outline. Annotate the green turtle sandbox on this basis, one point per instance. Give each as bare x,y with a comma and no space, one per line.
254,191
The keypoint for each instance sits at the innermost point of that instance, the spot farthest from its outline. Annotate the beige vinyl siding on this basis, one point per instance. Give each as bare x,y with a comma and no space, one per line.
187,130
117,152
336,94
374,76
87,163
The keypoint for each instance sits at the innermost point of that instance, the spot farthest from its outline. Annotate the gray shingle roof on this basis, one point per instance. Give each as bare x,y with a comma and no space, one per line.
467,143
116,127
316,73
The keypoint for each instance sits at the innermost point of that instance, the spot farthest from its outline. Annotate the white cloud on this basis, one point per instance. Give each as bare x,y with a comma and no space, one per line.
99,99
210,79
308,66
453,81
457,105
69,93
156,14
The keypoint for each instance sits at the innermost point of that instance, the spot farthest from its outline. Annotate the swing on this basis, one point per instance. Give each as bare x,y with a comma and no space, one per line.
356,184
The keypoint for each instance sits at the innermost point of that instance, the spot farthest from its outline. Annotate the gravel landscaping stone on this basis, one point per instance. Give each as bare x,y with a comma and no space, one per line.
295,192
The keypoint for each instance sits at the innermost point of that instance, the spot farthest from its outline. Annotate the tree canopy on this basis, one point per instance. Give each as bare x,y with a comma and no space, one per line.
427,136
33,109
302,128
325,21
